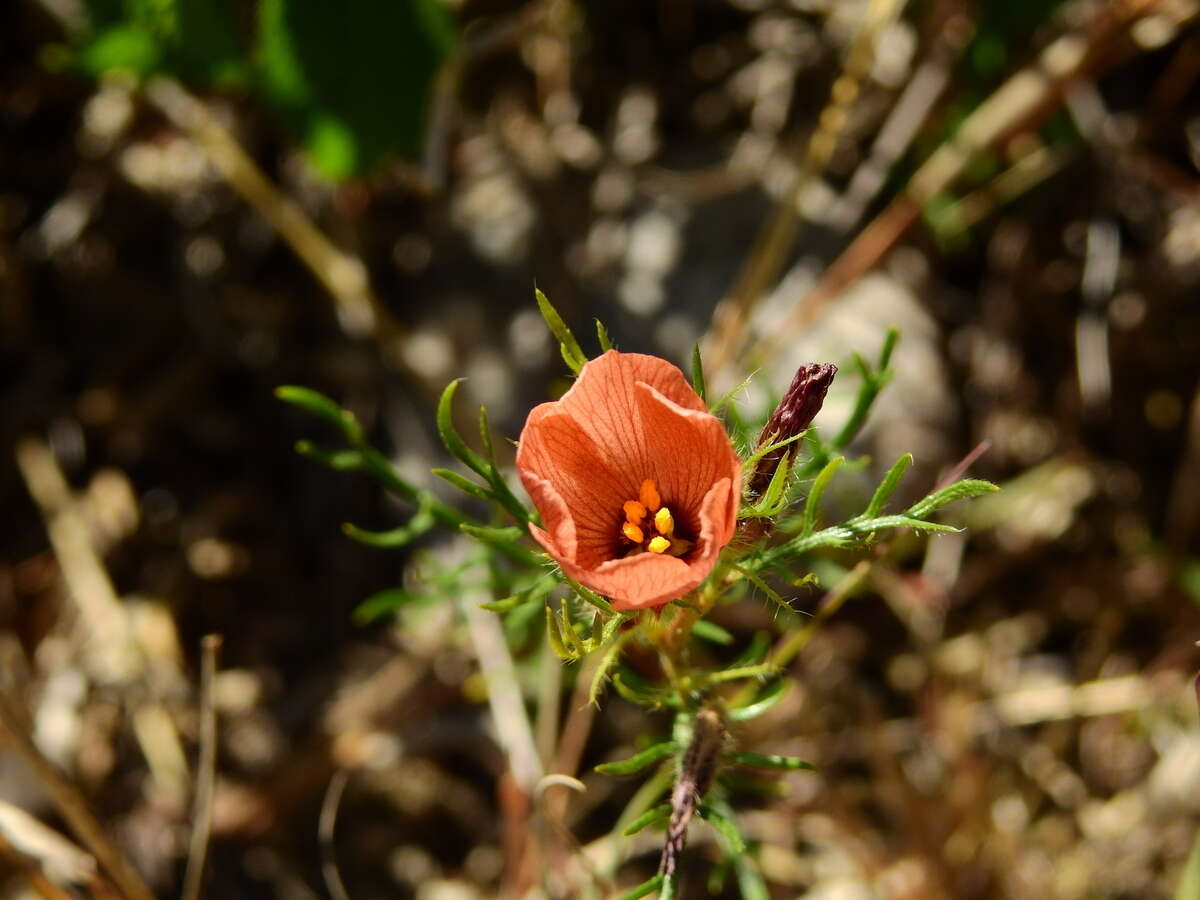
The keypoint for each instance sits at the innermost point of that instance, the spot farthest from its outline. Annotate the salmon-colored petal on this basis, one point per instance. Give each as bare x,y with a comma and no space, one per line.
557,452
690,452
603,400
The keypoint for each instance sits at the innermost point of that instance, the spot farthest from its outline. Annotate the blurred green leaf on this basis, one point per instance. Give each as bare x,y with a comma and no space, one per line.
354,78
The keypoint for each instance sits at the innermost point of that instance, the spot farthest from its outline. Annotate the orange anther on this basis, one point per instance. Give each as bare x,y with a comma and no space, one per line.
632,532
648,496
634,512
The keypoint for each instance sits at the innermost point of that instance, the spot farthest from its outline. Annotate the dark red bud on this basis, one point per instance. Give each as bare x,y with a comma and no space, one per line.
793,415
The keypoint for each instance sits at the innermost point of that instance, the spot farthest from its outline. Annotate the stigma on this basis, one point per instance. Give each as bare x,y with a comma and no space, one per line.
649,525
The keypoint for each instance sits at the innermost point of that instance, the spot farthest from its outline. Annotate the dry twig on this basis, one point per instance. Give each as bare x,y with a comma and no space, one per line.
206,769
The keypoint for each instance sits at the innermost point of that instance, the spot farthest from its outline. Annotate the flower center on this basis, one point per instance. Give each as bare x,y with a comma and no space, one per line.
650,526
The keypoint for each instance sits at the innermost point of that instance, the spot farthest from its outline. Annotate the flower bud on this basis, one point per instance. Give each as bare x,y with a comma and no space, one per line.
793,415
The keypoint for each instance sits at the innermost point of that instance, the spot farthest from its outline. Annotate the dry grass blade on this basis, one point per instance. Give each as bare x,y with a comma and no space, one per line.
206,770
325,827
71,804
1029,95
772,245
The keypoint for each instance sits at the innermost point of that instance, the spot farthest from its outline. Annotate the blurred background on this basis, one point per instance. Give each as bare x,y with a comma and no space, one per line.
200,201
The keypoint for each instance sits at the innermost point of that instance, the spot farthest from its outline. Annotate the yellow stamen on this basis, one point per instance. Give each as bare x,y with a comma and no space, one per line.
658,545
634,512
632,532
648,496
664,522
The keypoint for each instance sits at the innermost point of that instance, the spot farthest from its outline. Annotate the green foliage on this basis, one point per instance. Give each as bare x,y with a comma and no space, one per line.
781,534
572,353
196,40
353,78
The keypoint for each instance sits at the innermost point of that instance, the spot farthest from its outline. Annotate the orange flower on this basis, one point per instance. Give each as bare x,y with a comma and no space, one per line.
636,483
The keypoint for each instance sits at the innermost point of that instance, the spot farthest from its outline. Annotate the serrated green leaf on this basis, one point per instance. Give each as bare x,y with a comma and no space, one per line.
608,660
572,353
968,487
883,493
639,761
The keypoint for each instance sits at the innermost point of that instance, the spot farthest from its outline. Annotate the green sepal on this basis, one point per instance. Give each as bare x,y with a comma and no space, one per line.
556,640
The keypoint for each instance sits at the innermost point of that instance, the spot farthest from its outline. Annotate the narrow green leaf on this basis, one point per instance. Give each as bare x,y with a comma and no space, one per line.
381,604
814,495
636,763
449,434
493,535
711,632
633,689
319,405
602,337
725,827
464,484
885,353
572,353
659,814
968,487
768,761
338,460
883,493
396,537
508,604
755,652
726,398
644,889
698,374
771,695
485,438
